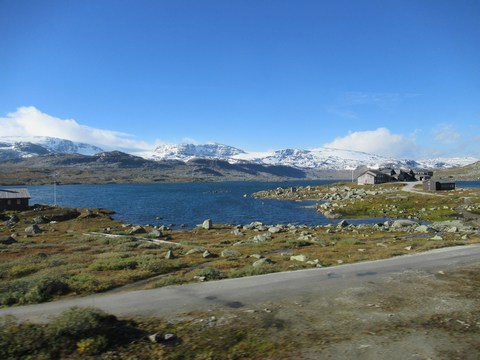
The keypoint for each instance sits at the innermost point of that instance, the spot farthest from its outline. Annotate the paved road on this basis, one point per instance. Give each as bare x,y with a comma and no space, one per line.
252,292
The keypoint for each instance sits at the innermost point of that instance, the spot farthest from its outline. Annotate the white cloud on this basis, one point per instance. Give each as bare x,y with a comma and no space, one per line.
446,134
29,121
380,142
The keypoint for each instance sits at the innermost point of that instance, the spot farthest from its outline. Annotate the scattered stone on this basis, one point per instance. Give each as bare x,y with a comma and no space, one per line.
67,215
34,229
436,237
256,256
169,255
158,338
342,224
424,229
207,224
154,338
339,261
237,232
274,229
40,220
169,337
408,247
7,240
137,230
155,233
207,254
301,258
398,224
262,262
199,278
196,250
315,262
230,253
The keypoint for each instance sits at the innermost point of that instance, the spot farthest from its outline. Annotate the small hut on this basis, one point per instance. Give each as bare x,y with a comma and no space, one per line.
14,199
438,185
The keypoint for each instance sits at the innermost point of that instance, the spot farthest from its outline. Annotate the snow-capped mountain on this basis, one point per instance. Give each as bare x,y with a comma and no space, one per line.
321,158
14,147
185,152
324,158
444,163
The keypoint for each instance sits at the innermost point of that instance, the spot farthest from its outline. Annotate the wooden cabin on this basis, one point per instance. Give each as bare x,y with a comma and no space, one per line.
423,174
438,185
373,177
14,199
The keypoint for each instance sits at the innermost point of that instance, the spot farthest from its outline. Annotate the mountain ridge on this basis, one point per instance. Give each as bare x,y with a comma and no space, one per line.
322,158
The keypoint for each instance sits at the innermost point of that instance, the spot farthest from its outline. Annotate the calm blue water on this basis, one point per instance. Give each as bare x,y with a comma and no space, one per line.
184,203
190,203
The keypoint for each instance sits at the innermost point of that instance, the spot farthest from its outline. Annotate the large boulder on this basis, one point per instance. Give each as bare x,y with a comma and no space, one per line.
400,224
262,262
7,240
207,224
137,230
40,220
301,258
230,253
64,216
34,229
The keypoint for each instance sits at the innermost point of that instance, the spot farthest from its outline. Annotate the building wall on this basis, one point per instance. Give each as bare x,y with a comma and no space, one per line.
13,204
366,179
432,185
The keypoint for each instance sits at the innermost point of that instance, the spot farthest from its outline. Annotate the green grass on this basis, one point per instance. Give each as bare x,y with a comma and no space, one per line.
77,262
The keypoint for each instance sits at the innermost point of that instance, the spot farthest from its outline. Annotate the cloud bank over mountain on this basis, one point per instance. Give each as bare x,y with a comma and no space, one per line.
380,141
29,121
444,141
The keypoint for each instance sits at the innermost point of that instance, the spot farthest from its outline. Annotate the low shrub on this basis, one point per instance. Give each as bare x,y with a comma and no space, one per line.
77,331
210,273
118,263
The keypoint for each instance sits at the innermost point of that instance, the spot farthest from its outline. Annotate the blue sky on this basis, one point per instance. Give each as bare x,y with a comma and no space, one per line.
393,77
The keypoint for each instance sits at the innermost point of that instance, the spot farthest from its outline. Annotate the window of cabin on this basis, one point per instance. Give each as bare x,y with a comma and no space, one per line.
19,201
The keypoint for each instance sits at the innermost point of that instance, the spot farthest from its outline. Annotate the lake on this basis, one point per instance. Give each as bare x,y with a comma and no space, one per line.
185,203
191,203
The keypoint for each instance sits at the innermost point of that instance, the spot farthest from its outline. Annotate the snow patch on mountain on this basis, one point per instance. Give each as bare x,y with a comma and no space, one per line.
22,147
324,158
444,163
321,158
185,152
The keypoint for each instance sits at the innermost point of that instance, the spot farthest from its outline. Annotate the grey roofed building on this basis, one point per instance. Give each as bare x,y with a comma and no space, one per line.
437,185
14,199
373,177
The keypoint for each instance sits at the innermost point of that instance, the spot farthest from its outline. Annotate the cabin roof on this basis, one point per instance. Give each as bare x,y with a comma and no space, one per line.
441,181
20,193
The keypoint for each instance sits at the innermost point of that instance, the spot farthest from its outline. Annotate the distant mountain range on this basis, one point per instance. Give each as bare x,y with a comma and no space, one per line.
319,159
24,147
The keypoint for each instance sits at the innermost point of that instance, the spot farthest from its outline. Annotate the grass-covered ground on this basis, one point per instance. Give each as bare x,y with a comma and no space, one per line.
85,251
349,200
88,252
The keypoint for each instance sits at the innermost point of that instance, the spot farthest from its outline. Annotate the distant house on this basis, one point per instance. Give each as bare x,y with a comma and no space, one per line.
437,185
423,174
405,176
14,199
385,175
373,177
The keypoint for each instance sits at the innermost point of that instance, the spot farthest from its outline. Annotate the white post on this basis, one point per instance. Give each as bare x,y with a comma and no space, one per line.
54,189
